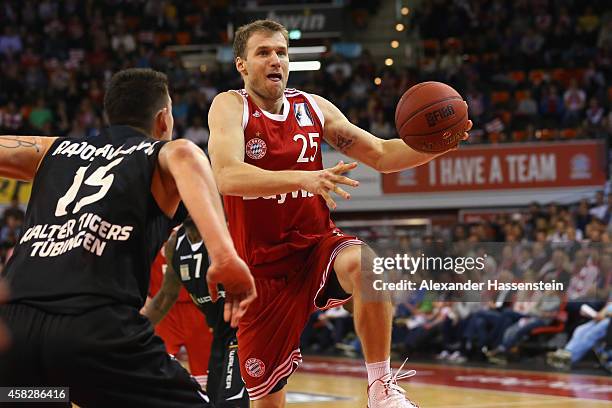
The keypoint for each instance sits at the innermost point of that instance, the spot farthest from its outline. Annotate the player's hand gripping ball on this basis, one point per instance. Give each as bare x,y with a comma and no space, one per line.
431,117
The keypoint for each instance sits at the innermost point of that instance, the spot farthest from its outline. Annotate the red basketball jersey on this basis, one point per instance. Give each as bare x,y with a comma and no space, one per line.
158,269
283,226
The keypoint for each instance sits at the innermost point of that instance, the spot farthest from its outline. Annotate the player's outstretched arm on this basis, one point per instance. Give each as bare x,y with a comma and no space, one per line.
185,173
166,297
20,156
386,156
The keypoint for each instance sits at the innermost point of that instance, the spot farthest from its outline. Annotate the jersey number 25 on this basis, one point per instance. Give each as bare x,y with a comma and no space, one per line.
312,142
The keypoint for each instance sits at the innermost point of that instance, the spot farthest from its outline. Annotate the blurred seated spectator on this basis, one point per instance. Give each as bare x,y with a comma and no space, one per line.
584,338
526,110
572,242
588,23
594,120
478,333
123,40
338,66
327,330
339,321
11,119
601,207
476,105
360,89
180,109
574,100
603,351
585,275
583,285
551,105
40,115
13,210
543,313
582,216
381,127
10,231
450,64
557,268
531,46
197,133
77,130
10,42
455,325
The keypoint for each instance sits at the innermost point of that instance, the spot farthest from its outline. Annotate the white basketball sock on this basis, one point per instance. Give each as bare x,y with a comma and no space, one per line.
378,370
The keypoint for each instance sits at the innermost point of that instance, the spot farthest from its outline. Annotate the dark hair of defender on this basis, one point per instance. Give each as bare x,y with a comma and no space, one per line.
134,96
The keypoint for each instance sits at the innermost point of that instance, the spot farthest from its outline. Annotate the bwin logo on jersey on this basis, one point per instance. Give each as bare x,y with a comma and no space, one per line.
302,114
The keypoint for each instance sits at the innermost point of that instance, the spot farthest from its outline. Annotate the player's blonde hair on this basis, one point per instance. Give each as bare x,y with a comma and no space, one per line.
242,35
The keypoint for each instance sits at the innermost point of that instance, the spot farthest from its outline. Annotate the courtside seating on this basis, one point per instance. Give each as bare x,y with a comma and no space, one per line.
540,336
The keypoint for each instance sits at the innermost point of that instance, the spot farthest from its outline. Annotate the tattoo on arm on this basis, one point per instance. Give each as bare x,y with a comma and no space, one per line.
344,143
162,303
15,142
159,306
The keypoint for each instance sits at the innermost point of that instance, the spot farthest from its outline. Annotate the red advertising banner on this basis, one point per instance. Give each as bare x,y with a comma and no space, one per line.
505,167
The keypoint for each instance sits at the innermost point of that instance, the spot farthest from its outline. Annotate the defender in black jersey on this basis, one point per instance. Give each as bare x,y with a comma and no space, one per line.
188,261
100,209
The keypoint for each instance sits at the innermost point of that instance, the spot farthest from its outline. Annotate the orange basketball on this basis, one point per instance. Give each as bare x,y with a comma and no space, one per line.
431,117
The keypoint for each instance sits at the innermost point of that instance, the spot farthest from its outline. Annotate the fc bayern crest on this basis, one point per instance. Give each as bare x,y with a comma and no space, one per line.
256,148
255,367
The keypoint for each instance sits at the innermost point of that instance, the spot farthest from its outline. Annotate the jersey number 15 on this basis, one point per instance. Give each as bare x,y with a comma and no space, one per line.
99,178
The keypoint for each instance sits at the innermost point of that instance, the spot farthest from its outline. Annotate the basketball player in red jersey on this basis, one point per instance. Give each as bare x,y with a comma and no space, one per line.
184,325
265,150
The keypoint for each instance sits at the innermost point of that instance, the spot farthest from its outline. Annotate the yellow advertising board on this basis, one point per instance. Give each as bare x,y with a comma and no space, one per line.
13,188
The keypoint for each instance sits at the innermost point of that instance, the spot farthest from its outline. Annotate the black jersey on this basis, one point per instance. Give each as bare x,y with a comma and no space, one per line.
92,226
190,262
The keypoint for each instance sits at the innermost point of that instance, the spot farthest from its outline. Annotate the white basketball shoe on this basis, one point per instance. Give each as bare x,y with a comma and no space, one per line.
385,393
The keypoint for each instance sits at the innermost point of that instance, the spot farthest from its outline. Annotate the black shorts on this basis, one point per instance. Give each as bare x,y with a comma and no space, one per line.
225,386
108,357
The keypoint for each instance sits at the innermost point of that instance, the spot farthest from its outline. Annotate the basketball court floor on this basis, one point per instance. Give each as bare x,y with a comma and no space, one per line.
327,383
341,383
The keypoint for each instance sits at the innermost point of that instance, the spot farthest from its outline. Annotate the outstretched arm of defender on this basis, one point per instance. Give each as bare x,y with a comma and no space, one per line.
166,297
184,169
20,156
235,177
386,156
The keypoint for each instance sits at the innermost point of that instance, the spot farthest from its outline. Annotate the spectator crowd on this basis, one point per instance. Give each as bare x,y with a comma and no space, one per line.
528,69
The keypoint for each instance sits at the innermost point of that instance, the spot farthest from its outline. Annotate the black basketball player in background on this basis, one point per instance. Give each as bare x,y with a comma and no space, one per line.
187,261
100,209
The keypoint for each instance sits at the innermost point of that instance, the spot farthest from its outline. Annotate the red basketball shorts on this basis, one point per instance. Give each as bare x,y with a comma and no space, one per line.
185,325
269,333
